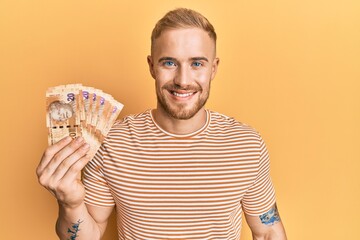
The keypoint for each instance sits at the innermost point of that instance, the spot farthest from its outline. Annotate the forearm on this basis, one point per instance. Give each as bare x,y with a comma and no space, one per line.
76,223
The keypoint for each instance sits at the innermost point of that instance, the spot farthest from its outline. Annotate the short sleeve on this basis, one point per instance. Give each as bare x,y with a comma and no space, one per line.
98,192
261,195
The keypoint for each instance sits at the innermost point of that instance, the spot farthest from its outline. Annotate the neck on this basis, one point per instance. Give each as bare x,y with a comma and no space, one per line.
179,126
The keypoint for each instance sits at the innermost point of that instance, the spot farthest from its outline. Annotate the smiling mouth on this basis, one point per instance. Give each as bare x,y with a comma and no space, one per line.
182,95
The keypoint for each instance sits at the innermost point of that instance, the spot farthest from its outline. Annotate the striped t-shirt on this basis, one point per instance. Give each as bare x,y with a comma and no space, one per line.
168,186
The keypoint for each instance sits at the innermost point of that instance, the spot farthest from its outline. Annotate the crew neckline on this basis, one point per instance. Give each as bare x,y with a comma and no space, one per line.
200,130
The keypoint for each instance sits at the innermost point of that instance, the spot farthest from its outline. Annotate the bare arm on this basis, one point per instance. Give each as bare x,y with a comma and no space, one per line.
267,226
59,171
84,222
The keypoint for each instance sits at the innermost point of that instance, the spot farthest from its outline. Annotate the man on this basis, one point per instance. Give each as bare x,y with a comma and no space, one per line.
175,172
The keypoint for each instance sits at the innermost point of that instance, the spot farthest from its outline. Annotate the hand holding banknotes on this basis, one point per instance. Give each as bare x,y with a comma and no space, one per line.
78,119
60,168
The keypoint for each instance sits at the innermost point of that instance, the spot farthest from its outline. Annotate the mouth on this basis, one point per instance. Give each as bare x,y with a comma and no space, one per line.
182,94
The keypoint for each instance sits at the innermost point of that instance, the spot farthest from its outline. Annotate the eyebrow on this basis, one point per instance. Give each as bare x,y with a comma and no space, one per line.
199,58
174,59
166,59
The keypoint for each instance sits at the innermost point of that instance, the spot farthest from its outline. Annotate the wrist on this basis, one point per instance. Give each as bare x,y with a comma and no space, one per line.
72,209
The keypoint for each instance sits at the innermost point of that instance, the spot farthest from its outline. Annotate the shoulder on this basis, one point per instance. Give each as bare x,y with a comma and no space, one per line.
142,116
133,125
228,130
222,122
132,120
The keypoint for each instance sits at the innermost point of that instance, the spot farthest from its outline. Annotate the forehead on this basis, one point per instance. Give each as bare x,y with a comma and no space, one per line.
184,42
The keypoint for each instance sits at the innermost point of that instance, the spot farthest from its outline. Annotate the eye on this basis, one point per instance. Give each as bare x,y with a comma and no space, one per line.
169,63
197,64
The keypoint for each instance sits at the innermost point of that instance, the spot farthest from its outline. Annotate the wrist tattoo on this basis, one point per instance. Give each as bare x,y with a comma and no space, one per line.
271,217
74,230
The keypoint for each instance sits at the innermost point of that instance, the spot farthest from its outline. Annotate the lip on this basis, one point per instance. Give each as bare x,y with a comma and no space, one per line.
181,95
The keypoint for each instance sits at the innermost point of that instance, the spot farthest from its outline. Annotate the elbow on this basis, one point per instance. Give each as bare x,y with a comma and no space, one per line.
270,235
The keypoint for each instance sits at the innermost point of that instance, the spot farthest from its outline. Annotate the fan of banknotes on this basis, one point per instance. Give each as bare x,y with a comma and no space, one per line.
75,110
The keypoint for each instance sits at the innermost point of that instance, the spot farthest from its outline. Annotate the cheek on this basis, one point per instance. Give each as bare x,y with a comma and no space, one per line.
163,76
202,76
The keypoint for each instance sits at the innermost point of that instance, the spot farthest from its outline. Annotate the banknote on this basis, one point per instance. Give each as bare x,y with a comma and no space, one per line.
85,93
108,117
102,112
115,111
75,110
92,104
62,112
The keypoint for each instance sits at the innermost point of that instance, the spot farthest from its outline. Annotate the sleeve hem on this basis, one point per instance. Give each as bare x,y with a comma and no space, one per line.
264,210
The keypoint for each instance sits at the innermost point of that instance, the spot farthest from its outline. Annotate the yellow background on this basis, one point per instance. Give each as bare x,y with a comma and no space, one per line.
291,69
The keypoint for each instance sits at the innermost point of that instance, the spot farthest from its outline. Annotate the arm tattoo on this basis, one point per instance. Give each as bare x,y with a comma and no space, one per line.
74,230
271,217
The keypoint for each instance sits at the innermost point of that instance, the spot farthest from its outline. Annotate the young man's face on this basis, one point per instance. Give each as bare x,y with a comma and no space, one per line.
183,63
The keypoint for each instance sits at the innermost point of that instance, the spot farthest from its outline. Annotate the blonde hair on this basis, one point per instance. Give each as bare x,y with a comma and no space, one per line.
182,18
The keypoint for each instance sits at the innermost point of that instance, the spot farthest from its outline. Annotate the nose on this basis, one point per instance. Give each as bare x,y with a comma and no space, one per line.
182,77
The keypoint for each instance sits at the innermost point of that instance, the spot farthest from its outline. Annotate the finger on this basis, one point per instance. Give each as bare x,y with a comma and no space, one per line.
50,152
73,173
69,161
59,157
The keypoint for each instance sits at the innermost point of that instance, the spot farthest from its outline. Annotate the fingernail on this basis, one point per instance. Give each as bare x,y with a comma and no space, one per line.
79,139
68,139
86,146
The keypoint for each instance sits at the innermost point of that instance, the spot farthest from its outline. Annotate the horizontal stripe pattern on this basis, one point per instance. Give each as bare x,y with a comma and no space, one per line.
191,186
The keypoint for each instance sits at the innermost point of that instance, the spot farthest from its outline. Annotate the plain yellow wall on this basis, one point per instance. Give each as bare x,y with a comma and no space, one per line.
290,68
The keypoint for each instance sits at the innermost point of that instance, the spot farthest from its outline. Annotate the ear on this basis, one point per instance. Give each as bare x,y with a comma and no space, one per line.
151,66
214,67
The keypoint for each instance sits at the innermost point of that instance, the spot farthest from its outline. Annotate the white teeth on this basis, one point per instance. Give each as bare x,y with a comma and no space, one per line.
182,94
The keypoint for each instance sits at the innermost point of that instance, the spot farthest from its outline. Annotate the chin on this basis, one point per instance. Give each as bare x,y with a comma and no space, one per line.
182,114
180,111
